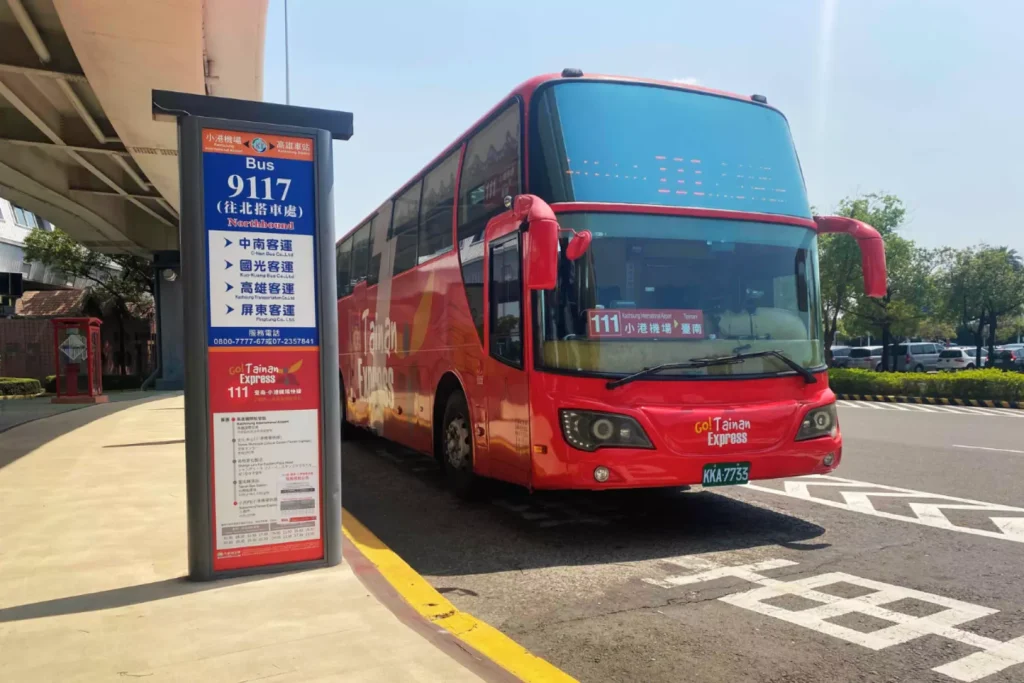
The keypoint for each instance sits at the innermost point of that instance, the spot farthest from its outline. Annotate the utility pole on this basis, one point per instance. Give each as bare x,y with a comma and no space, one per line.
287,78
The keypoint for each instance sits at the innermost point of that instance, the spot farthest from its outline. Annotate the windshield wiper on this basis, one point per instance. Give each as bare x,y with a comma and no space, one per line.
808,376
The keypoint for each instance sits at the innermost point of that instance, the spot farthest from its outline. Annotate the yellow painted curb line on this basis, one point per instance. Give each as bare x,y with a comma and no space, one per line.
437,609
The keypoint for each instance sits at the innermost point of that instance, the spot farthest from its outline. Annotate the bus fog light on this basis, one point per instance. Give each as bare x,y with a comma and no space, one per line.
829,459
601,474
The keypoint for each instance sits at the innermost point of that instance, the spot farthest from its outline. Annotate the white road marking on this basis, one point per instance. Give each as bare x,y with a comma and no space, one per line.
986,448
857,499
975,411
995,655
921,408
932,408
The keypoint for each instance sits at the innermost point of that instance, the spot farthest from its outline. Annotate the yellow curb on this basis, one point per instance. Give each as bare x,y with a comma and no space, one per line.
434,607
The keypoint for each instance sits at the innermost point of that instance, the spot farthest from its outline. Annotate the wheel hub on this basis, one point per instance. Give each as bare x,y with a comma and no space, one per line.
457,447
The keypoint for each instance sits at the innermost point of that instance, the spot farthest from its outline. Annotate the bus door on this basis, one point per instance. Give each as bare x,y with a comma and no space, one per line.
505,377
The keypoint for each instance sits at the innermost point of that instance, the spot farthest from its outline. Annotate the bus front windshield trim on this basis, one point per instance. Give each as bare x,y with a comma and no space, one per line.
655,290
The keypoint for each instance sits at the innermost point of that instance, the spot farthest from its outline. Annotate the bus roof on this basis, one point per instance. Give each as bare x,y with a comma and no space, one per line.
525,90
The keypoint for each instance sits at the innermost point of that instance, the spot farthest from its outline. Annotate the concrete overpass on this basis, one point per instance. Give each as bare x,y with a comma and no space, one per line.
78,144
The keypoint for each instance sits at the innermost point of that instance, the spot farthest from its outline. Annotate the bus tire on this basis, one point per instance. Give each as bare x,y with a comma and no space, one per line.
457,447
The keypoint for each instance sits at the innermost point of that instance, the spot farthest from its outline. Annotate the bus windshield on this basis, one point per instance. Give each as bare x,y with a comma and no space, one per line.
665,289
644,144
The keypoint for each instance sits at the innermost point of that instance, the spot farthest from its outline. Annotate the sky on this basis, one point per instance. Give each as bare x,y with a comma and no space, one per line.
921,99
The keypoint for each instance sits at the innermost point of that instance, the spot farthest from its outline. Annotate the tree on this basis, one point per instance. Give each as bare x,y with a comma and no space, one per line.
909,297
839,259
122,282
981,286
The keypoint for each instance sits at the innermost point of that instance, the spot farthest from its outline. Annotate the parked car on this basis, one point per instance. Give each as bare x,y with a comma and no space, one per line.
865,358
1009,357
917,356
959,358
840,356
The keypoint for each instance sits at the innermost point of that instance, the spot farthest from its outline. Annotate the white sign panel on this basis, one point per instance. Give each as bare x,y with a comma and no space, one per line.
259,280
270,461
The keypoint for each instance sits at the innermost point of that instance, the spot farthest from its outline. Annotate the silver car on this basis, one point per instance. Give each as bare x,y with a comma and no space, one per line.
917,356
865,358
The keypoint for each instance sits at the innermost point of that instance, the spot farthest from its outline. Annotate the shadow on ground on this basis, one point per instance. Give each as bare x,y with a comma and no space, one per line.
119,597
30,423
401,497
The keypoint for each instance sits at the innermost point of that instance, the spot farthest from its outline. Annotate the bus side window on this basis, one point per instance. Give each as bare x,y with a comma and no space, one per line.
378,241
506,302
490,172
344,267
436,210
360,252
405,226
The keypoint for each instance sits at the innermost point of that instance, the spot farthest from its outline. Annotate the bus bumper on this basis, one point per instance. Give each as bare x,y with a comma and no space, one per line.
633,468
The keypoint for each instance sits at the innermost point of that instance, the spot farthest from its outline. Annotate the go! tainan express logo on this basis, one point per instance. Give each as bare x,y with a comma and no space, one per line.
723,431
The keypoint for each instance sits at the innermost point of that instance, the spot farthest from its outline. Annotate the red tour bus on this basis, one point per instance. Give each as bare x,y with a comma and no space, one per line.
605,283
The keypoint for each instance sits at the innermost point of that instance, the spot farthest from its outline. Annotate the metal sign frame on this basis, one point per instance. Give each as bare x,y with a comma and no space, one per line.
196,276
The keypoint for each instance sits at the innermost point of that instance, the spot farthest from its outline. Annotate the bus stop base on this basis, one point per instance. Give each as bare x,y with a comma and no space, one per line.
102,398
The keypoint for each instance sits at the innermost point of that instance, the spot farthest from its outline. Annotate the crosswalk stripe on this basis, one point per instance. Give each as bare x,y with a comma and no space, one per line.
933,408
974,411
923,409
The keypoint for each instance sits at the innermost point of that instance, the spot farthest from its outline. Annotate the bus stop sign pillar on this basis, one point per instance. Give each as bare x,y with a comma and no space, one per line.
79,363
262,408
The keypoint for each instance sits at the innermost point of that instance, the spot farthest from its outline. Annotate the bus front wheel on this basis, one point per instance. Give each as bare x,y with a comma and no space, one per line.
457,445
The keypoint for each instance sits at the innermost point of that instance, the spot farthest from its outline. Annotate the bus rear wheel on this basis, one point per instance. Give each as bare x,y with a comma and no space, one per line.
457,447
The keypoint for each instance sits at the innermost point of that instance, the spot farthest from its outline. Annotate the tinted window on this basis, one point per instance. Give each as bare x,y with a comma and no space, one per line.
860,353
405,227
360,252
378,241
901,349
490,172
639,144
344,267
951,354
436,213
506,339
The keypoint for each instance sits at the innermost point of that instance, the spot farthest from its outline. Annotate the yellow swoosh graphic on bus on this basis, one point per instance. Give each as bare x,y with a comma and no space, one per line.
421,319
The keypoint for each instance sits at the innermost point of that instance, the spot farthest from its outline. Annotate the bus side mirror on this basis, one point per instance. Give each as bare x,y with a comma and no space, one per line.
578,245
542,258
542,241
872,250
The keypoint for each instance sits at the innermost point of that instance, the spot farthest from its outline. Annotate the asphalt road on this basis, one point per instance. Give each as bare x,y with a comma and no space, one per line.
906,565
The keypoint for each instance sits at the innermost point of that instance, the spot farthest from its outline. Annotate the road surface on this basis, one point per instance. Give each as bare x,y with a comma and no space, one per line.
906,565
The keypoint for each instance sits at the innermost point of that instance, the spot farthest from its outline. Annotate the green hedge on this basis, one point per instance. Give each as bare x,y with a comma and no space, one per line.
989,384
110,383
14,386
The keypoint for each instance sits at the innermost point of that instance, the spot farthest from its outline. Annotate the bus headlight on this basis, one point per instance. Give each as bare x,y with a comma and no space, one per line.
819,422
588,430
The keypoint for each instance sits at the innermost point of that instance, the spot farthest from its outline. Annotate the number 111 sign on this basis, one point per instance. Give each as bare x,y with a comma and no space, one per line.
645,323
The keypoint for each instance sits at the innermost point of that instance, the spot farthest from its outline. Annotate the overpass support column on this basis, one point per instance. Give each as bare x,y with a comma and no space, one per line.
170,321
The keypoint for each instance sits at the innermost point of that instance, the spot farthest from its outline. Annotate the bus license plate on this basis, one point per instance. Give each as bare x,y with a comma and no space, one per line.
726,473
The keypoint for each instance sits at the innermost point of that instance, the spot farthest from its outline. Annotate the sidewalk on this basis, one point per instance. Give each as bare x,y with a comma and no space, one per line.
92,558
14,412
